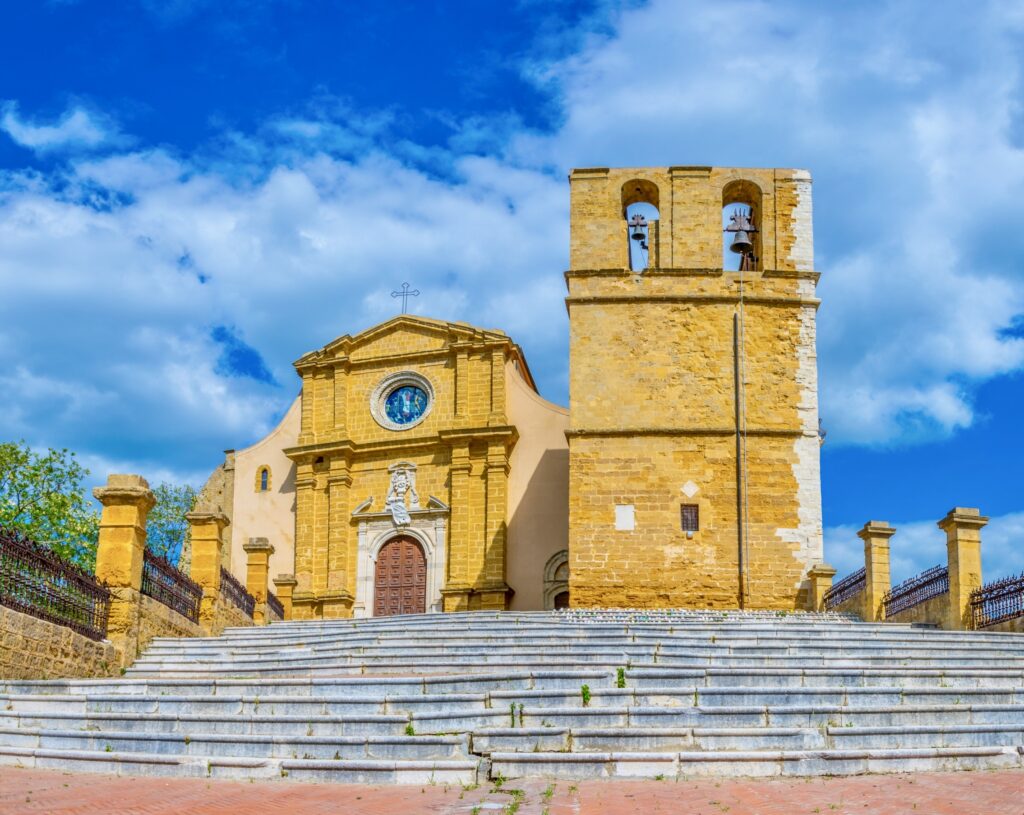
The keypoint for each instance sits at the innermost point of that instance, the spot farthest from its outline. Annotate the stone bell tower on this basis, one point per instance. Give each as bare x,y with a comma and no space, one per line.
693,442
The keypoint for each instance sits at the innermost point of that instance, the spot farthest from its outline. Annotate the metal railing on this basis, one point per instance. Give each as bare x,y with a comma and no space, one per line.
850,586
166,584
35,580
276,609
998,602
916,590
235,592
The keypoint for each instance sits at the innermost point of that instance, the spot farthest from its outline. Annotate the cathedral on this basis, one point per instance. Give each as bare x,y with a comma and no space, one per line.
420,470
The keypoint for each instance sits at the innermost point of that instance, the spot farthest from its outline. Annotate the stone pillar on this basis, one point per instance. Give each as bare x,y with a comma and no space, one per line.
494,592
456,592
877,580
207,533
820,576
126,501
285,584
962,526
337,600
259,551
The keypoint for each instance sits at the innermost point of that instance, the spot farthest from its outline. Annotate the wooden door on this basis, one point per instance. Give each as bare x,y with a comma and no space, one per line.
400,581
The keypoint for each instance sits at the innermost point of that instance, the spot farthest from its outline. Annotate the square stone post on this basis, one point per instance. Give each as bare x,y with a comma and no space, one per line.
207,533
126,501
962,526
820,576
877,580
257,567
285,585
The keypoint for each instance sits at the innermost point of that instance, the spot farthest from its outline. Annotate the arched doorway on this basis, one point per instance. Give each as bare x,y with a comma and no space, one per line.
400,579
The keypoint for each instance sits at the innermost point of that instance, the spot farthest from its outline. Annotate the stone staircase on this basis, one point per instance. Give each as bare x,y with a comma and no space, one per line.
461,698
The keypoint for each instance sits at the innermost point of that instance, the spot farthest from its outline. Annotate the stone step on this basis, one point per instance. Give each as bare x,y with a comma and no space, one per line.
680,765
413,748
150,764
530,662
636,678
256,724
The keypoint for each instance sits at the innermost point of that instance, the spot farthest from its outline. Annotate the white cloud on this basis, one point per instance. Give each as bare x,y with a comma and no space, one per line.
903,115
120,264
76,128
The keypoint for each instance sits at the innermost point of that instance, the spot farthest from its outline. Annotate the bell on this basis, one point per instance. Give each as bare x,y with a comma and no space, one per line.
741,244
638,234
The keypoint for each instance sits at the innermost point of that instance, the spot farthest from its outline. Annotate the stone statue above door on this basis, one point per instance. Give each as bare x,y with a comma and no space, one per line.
403,484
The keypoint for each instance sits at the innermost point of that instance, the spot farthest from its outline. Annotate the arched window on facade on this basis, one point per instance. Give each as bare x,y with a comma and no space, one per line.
263,479
640,201
741,226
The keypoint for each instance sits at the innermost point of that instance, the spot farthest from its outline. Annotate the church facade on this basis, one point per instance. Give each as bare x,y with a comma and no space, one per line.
420,470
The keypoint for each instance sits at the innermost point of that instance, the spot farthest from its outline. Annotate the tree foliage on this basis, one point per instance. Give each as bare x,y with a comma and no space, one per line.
43,497
167,529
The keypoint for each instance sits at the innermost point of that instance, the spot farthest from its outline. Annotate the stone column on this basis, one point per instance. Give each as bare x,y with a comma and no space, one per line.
962,526
259,551
820,576
207,532
285,584
456,591
126,501
494,592
877,580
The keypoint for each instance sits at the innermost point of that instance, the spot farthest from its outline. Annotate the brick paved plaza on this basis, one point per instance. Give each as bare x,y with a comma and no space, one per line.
56,793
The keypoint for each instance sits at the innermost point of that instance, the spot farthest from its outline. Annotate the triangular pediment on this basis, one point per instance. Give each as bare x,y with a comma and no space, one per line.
405,334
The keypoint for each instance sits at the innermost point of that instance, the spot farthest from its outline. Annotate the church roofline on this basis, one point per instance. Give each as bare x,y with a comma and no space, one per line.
456,332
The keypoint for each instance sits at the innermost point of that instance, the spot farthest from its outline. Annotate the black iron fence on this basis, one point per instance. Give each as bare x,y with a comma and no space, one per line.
916,590
234,592
850,586
998,602
276,609
170,586
34,580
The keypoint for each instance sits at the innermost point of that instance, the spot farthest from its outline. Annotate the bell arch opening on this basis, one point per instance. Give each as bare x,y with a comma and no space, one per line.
741,206
640,207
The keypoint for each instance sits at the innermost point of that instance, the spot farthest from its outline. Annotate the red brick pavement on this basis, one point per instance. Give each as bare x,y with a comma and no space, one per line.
977,793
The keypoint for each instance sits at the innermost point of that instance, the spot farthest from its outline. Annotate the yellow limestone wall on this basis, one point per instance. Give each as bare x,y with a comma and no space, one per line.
652,396
461,451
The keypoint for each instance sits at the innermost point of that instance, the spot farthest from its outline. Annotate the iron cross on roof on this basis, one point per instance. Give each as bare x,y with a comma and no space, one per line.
405,294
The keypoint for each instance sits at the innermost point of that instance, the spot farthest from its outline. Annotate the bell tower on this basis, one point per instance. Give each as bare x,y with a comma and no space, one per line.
693,443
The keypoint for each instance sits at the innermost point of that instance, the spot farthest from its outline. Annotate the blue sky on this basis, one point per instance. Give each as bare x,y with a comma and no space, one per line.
193,193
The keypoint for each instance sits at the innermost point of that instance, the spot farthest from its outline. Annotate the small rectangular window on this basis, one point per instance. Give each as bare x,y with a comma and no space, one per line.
690,516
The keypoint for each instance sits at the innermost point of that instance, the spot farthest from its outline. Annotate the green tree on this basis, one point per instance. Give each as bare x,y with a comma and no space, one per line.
43,497
166,528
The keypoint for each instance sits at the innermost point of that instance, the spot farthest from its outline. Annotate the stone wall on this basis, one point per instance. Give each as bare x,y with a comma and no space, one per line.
1015,626
141,619
31,648
227,615
851,605
935,611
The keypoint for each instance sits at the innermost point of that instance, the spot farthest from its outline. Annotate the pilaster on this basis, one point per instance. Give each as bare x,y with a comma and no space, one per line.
126,501
258,551
877,579
207,532
821,577
285,585
962,526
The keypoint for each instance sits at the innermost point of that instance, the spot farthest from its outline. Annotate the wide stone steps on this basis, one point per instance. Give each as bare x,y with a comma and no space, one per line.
457,698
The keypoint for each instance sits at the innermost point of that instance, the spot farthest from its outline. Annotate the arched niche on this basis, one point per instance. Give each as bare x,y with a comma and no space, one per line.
741,193
641,197
556,577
